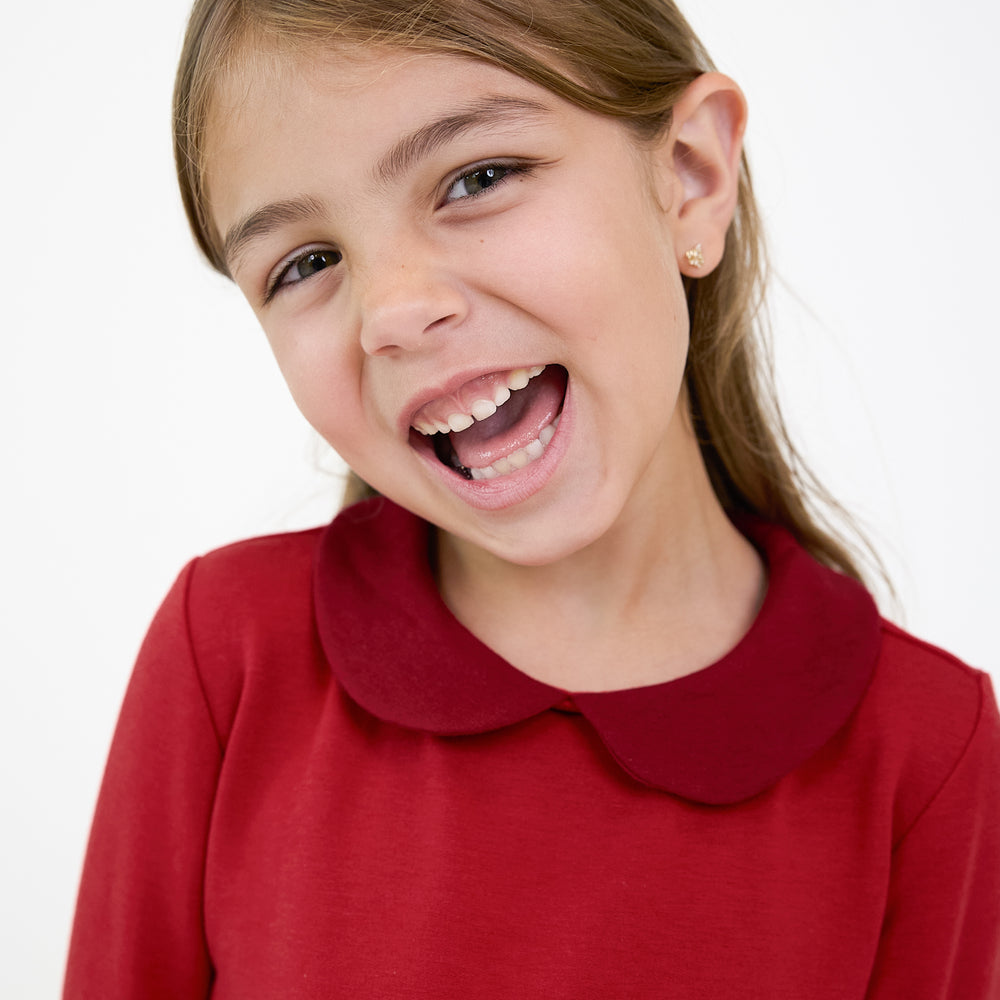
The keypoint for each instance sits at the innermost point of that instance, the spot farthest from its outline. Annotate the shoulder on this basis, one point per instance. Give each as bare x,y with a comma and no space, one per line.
260,587
923,688
230,587
932,716
259,569
234,614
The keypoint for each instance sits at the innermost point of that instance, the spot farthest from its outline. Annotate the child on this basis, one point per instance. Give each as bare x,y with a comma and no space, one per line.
578,699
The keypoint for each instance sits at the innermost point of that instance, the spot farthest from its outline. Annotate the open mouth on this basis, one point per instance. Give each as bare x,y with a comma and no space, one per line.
496,424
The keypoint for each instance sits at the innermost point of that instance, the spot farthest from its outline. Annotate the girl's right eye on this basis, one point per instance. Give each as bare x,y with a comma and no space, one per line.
304,266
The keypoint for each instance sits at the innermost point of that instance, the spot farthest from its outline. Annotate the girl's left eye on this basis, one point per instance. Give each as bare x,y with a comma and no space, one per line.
480,180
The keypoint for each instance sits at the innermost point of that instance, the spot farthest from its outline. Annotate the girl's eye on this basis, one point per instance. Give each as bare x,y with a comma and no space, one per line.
309,264
475,182
304,266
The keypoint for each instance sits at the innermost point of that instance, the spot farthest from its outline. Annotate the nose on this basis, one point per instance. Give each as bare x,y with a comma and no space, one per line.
407,300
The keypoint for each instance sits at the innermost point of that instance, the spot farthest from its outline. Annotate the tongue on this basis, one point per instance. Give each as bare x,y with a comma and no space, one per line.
515,424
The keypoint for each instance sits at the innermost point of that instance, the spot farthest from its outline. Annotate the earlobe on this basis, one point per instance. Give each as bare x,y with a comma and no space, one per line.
703,150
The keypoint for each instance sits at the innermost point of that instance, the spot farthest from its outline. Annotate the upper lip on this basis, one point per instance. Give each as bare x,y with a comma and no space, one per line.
424,396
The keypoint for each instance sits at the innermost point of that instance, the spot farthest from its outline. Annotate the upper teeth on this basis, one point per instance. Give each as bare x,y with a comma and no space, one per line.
481,408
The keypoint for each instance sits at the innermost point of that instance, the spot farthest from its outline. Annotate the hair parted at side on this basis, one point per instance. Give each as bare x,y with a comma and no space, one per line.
627,59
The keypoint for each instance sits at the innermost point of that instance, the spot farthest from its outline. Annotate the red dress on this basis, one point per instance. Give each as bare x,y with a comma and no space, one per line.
322,785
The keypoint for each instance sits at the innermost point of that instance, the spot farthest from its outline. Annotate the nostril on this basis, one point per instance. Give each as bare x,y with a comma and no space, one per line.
443,321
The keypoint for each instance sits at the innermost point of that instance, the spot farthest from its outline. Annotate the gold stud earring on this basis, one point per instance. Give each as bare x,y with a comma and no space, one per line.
695,256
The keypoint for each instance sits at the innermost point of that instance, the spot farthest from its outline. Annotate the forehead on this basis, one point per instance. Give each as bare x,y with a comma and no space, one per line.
338,103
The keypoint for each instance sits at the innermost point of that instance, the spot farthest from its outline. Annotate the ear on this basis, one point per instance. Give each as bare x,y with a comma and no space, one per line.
701,152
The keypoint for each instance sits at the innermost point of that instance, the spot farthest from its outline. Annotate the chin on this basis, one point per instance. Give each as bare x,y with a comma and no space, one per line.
539,538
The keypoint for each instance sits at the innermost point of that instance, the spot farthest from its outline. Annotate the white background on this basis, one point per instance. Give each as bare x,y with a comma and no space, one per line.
143,420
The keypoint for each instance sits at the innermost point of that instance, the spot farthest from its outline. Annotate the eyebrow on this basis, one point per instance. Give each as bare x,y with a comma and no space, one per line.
488,112
263,221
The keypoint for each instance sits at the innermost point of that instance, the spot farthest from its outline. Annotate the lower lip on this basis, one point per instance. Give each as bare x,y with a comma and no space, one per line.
516,487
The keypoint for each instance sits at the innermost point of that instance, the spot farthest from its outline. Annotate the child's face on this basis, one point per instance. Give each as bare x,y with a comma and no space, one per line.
413,231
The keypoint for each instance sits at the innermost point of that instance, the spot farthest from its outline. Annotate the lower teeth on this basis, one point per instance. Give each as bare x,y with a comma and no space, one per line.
510,463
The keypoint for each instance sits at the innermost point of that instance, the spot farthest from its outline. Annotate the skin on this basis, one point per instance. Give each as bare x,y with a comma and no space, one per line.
615,566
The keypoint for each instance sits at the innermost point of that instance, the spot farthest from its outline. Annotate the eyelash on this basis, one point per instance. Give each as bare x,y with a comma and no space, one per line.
278,284
509,171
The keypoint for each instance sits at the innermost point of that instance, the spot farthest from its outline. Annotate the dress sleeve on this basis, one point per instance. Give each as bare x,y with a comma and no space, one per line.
941,935
139,932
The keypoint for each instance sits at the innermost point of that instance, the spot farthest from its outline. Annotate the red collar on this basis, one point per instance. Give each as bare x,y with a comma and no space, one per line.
721,735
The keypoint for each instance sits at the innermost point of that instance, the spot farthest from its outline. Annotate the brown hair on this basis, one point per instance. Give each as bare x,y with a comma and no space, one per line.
628,59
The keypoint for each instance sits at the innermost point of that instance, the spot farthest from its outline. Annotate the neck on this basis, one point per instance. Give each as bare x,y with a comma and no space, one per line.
667,591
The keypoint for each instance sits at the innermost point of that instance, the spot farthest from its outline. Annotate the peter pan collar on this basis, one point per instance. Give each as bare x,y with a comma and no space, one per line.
721,735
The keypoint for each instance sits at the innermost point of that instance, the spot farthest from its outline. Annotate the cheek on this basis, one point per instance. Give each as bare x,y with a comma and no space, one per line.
600,277
629,300
323,375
